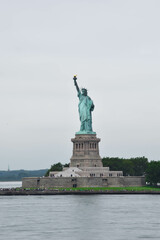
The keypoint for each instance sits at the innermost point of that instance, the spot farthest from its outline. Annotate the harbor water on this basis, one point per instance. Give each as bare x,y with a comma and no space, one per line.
79,217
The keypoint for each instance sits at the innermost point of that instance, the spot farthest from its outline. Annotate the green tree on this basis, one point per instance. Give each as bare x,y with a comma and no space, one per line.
130,167
114,163
66,165
119,164
55,167
140,165
153,172
127,167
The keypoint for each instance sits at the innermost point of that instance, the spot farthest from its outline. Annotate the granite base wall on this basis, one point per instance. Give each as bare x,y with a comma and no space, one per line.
48,182
85,151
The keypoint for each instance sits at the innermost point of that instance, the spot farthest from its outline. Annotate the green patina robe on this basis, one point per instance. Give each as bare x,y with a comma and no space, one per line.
85,107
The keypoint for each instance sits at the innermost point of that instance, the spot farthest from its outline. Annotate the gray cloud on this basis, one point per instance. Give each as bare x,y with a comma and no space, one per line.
113,46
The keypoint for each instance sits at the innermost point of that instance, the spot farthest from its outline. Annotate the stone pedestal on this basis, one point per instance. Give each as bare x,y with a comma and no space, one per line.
85,151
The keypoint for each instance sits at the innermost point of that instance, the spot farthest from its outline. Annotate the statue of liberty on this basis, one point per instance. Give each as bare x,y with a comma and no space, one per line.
85,108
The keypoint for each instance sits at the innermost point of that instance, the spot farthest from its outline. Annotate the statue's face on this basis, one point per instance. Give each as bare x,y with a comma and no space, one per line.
84,92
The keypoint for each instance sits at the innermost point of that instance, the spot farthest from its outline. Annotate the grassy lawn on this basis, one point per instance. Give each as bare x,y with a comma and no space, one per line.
146,188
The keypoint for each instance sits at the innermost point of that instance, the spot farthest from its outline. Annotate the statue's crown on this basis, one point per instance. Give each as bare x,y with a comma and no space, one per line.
84,89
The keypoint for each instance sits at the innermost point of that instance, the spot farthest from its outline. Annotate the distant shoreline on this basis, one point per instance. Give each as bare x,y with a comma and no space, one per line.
18,175
22,192
2,181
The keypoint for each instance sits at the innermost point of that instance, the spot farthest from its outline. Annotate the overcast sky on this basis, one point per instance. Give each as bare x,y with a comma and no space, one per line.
113,46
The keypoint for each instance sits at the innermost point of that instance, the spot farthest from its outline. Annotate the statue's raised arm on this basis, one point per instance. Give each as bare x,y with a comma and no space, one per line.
75,83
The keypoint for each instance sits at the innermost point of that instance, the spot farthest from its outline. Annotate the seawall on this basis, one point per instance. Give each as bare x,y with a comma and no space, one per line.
70,182
22,192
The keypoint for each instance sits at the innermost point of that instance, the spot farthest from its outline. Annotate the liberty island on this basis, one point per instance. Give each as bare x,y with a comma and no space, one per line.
85,168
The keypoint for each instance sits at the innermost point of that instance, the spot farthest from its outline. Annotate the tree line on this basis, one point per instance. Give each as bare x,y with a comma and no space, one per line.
130,167
139,166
